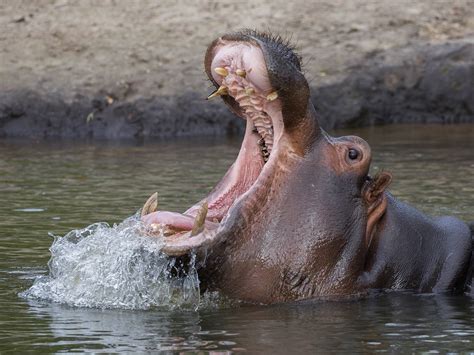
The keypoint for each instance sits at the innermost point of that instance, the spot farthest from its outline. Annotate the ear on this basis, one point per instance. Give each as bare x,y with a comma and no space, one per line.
375,187
373,194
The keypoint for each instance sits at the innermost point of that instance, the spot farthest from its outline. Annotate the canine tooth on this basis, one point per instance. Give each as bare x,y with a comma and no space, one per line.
249,91
222,90
272,96
151,205
221,71
201,215
241,72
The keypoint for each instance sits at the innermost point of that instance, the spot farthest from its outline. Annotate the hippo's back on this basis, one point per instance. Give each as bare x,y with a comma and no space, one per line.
456,272
418,252
470,274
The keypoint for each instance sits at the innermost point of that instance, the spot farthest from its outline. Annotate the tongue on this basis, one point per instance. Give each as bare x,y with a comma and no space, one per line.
174,220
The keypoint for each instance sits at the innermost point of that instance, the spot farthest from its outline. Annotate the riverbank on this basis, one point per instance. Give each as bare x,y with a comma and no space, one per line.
134,69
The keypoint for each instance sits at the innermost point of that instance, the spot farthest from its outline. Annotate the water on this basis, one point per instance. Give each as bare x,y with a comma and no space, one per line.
115,267
58,187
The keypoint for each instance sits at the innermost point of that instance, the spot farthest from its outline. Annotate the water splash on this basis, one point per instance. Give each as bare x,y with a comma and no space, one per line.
115,267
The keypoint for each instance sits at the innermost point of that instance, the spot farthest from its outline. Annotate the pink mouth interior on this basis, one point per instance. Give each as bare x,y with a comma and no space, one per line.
240,68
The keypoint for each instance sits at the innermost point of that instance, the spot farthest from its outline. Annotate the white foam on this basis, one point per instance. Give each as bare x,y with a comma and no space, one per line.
115,267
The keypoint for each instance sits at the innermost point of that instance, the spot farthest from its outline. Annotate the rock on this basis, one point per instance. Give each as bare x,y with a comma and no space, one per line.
425,84
29,114
419,84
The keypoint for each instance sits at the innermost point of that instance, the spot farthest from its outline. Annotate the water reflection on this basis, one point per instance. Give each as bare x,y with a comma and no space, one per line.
394,323
92,329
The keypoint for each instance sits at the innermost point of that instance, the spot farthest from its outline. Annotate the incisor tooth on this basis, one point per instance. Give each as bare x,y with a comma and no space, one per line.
241,72
201,215
221,71
155,227
272,96
221,91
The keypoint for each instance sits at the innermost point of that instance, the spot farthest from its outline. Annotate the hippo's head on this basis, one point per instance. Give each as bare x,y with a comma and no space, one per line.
293,216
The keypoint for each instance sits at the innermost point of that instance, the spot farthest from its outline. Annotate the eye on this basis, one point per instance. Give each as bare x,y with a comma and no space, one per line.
353,154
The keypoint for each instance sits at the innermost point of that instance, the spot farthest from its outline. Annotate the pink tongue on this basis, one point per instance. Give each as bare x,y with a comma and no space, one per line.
174,219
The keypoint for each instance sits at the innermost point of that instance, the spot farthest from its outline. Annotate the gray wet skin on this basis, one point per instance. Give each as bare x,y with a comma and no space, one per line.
314,224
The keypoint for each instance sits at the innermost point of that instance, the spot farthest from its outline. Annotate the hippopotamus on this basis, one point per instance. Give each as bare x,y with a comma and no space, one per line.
297,216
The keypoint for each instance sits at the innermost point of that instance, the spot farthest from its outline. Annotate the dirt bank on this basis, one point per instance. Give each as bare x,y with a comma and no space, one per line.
112,69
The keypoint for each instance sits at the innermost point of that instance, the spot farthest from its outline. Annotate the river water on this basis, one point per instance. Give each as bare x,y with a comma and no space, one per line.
52,188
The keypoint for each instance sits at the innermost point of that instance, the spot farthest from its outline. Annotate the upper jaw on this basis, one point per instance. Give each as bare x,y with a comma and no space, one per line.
272,67
239,71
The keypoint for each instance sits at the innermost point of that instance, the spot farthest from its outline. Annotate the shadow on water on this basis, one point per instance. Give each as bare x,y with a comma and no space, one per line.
56,187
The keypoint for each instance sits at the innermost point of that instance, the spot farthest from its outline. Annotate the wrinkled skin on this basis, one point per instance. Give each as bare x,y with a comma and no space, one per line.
310,222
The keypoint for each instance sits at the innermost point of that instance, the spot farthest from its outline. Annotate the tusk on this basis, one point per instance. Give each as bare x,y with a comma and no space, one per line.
200,219
221,91
151,205
221,71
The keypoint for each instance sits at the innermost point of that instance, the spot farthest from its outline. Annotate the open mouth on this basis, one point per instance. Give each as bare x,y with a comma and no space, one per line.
238,70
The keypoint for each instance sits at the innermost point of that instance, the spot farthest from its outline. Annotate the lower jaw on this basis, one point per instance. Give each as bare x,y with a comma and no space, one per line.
237,217
241,178
240,213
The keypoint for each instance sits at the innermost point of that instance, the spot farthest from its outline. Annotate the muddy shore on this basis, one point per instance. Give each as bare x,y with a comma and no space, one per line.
110,69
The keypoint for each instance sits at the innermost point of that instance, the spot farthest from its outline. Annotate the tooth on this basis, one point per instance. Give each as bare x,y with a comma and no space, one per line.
221,91
249,91
272,96
221,71
151,205
241,73
241,94
201,215
155,227
255,100
162,229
